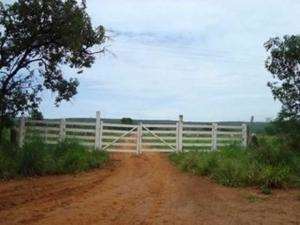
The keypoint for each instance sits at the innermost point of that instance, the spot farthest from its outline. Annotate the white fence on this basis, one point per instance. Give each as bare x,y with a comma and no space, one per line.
116,137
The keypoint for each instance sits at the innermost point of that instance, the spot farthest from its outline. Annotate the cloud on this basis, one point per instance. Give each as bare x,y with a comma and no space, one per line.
203,59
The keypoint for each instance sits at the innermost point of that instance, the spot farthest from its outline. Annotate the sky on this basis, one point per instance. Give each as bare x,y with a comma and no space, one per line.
200,58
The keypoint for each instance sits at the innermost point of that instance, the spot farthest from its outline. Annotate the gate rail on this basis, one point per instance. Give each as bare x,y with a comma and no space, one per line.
137,138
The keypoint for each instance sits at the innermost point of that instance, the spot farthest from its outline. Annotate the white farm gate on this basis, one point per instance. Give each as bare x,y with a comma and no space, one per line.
147,137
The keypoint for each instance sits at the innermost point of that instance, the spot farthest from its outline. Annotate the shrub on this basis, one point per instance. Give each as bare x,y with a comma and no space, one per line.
96,159
268,166
287,133
270,151
33,157
38,158
71,157
206,164
5,137
266,190
8,167
274,176
126,120
73,161
230,173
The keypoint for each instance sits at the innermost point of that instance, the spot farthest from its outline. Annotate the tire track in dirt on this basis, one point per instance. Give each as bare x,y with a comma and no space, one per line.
143,189
44,194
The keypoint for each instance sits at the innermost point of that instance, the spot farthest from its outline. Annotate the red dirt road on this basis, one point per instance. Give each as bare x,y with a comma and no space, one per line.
144,190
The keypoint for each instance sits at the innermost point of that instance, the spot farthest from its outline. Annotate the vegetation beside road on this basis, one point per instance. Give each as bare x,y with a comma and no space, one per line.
37,158
269,165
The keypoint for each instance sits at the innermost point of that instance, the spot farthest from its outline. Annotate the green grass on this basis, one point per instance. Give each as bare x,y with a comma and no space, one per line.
5,136
37,158
252,198
268,166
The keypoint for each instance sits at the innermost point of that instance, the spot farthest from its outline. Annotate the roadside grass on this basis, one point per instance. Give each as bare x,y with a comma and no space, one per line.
267,166
254,198
37,158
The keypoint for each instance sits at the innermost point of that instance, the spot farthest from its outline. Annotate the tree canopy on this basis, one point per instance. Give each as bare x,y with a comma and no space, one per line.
126,120
38,38
284,64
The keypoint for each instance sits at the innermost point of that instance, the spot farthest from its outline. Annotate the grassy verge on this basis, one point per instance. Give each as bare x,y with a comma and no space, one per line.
266,166
37,158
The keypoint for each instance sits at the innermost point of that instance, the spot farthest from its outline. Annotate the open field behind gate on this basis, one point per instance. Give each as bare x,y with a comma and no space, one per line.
116,137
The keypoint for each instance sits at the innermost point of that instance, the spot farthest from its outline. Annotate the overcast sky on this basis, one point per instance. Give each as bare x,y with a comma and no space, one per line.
200,58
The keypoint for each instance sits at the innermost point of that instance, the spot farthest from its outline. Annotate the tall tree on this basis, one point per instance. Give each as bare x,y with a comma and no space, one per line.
284,64
37,38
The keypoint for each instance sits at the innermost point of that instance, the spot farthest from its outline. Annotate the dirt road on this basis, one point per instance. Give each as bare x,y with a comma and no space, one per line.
140,190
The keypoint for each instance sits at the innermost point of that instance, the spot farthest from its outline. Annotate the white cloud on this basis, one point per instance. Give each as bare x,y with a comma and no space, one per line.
204,59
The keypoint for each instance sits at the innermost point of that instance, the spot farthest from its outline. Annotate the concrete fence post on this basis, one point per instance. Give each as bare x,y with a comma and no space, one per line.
62,129
98,131
244,135
21,131
179,134
101,134
139,138
214,136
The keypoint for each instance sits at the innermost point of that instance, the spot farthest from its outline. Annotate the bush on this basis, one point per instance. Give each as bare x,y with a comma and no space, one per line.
274,176
268,166
33,157
5,137
96,159
8,167
72,157
287,133
230,173
38,158
126,120
270,151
